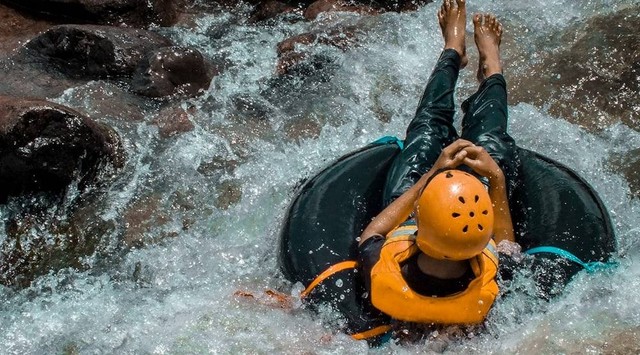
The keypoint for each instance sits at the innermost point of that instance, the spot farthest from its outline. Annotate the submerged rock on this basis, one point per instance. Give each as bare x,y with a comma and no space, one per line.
44,237
313,8
292,52
592,80
389,5
629,165
169,71
323,6
44,147
91,51
140,217
270,9
172,121
137,13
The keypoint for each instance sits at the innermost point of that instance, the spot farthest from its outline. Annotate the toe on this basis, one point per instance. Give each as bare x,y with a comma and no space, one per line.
487,20
477,19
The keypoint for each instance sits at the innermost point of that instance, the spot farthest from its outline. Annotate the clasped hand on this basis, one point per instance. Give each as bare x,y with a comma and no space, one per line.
464,152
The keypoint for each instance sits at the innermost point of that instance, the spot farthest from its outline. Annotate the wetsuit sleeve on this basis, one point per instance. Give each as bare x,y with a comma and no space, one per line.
368,256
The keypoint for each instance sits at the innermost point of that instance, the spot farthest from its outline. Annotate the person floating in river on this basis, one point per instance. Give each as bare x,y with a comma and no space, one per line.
429,256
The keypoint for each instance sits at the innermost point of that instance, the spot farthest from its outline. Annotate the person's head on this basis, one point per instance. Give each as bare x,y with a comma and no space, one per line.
454,216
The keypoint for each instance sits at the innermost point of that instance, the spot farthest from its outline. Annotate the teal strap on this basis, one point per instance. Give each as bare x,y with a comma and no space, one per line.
590,267
385,337
390,140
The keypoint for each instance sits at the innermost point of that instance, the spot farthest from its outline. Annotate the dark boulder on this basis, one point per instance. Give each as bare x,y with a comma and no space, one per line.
91,51
172,71
46,146
135,13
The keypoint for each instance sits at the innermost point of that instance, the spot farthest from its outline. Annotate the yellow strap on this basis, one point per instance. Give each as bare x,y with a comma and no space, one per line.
371,332
343,265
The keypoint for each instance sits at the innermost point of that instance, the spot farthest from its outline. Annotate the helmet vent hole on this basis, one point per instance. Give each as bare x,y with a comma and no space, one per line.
471,214
477,198
480,227
448,175
465,229
485,212
455,215
461,199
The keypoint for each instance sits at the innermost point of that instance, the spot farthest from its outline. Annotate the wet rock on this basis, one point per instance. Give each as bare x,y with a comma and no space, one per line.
18,78
622,341
169,71
141,217
91,51
229,193
384,5
292,52
342,38
45,237
302,129
217,166
105,99
316,67
172,121
592,80
135,13
46,146
324,6
269,9
16,29
250,106
629,165
404,5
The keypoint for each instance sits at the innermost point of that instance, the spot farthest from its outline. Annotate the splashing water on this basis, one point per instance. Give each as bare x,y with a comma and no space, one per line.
175,294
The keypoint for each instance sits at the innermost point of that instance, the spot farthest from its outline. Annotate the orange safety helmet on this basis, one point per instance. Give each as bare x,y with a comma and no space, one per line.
454,214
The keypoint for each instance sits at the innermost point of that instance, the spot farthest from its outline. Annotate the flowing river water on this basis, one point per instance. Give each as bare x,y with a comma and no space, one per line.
174,294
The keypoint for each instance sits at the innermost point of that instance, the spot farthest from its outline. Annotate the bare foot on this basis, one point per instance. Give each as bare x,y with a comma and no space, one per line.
452,21
487,34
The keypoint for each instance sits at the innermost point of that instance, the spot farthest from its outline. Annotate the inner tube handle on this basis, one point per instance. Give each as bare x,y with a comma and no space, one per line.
390,140
590,267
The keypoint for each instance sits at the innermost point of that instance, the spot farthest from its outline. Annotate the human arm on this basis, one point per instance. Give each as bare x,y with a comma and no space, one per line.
400,209
481,162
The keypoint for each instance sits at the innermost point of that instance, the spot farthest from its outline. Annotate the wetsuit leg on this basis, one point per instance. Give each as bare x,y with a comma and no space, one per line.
430,130
485,123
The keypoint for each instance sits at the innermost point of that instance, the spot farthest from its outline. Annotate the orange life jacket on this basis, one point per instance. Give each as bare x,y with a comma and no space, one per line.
391,294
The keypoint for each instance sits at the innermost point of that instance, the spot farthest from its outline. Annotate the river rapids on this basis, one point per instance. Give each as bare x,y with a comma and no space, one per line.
215,230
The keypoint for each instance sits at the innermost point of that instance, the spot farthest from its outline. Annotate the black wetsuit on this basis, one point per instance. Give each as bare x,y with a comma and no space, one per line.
484,123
